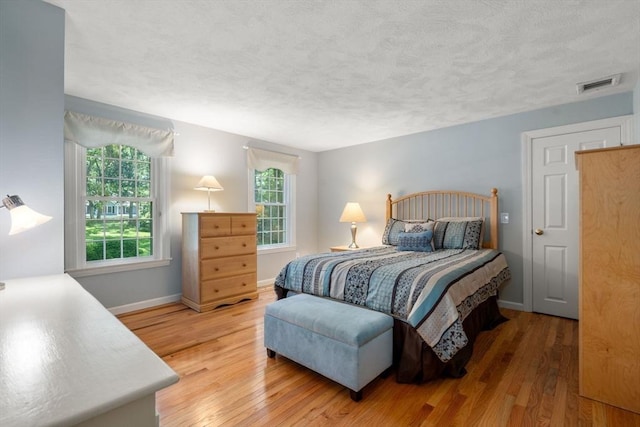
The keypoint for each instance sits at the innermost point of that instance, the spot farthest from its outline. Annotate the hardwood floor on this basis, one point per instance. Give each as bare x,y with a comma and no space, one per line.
523,373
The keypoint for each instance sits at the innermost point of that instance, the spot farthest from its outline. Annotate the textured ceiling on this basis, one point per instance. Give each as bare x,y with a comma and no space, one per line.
320,75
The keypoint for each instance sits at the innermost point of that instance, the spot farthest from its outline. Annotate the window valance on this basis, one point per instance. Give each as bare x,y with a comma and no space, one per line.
262,160
93,132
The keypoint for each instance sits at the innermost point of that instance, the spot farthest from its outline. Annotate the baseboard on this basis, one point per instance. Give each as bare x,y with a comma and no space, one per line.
121,309
266,282
518,306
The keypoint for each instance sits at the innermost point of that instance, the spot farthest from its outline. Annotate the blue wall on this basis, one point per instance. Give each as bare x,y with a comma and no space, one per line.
31,154
473,157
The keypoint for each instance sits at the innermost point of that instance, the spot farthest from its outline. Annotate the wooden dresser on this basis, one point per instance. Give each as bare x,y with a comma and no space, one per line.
219,261
609,337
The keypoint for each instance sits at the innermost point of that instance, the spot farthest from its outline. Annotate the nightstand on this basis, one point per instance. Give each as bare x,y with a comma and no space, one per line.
343,248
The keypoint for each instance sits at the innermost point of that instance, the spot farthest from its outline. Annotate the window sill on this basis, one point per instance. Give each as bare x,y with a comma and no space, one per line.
275,249
117,268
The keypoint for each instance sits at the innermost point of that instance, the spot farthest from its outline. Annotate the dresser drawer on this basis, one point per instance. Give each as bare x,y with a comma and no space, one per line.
215,225
214,247
221,288
245,224
215,268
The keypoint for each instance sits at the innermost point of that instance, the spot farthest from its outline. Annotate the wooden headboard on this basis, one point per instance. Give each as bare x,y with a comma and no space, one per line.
438,204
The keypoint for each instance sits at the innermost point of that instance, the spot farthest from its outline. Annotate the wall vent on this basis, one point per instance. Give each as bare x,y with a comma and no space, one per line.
598,84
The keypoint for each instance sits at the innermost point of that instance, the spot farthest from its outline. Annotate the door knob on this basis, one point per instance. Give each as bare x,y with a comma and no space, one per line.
538,231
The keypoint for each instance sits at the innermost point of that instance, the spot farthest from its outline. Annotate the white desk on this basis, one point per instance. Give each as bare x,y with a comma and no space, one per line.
66,360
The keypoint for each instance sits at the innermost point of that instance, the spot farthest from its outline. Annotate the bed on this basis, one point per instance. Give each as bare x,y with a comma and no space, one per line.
437,273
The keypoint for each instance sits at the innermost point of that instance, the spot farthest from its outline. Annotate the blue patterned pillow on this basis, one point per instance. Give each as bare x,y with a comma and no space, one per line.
457,234
395,226
390,235
419,242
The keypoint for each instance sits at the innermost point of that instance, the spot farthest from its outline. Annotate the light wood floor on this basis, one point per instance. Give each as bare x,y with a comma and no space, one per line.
523,373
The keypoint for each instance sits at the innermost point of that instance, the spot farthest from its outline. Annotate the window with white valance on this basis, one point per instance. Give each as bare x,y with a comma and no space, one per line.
272,195
93,132
262,160
116,195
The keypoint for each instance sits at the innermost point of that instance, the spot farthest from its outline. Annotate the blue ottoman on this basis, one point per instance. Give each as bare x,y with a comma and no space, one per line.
348,344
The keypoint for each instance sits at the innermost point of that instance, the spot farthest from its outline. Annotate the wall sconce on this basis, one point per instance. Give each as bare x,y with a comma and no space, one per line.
209,183
22,217
353,213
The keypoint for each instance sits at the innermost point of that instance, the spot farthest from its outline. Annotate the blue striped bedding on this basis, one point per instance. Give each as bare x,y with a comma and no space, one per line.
431,291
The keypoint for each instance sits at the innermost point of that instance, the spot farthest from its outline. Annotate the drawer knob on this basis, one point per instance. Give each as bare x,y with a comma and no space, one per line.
244,245
215,290
216,226
244,284
244,264
244,225
216,269
217,247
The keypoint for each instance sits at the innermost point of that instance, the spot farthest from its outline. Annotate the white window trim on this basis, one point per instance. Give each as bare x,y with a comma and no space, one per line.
74,207
291,220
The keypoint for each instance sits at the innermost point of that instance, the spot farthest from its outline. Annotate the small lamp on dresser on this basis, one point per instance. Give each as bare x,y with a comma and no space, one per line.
353,213
208,183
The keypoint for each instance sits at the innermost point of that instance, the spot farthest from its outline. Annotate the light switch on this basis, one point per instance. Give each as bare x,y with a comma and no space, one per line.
504,217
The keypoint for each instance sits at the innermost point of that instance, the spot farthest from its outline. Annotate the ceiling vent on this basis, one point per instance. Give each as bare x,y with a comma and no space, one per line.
598,84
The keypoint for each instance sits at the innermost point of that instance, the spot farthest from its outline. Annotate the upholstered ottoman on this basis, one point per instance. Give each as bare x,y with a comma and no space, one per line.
343,342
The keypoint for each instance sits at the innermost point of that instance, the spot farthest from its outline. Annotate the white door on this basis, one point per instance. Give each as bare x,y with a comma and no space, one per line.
554,203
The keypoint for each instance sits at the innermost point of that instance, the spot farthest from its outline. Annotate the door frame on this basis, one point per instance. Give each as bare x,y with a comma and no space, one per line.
626,137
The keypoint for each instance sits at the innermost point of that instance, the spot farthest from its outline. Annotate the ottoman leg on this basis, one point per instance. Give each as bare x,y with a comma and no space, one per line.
271,353
356,396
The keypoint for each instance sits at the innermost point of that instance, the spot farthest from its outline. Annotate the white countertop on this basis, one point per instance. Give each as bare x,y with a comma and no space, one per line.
64,358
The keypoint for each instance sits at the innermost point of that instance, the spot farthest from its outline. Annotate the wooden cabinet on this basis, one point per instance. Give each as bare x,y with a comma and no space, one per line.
219,263
609,326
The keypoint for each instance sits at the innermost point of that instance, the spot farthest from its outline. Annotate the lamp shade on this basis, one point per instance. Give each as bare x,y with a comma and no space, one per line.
208,183
22,217
352,213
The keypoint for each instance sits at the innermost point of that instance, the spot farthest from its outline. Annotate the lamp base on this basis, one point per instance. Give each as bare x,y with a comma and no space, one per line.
354,229
210,210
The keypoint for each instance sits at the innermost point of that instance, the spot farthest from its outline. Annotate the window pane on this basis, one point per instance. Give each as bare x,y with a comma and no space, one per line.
143,171
112,168
128,189
94,166
94,230
128,153
114,248
145,247
94,187
111,187
113,229
112,151
129,248
130,228
144,210
128,170
144,228
94,152
144,189
95,250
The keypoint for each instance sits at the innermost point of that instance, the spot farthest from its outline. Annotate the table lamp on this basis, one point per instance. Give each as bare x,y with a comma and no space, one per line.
353,213
209,183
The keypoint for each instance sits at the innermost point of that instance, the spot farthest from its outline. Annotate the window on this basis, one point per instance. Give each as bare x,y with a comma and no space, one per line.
272,194
119,203
116,193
